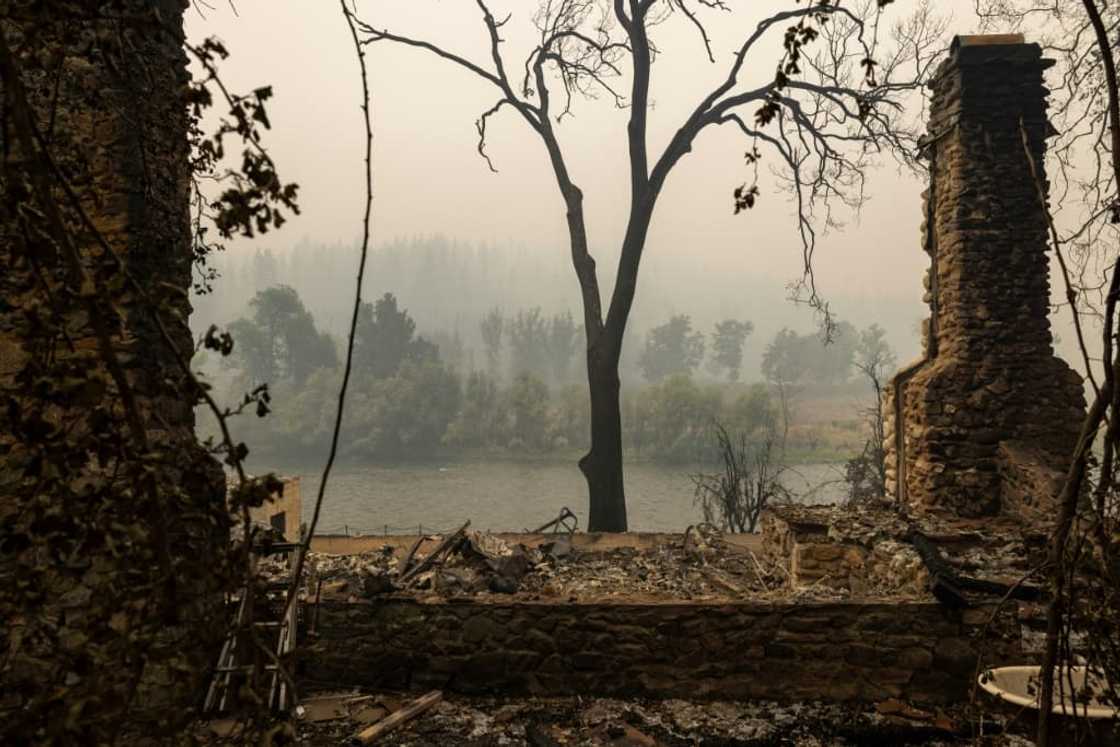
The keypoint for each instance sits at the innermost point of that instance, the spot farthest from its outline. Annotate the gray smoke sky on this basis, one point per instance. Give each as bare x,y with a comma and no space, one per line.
430,179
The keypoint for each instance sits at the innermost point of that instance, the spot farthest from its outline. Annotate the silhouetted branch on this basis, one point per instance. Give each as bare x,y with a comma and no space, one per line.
301,557
684,7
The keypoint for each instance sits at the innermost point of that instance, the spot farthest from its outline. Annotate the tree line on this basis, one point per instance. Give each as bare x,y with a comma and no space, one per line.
418,396
280,339
450,286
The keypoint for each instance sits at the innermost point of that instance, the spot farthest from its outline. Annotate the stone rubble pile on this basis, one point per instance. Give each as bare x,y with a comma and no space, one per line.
867,547
820,553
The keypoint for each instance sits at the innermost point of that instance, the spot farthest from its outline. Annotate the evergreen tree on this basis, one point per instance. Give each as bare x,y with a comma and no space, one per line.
386,338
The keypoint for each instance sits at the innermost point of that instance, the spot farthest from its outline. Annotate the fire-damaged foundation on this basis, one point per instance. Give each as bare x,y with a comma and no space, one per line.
835,625
729,650
562,633
904,601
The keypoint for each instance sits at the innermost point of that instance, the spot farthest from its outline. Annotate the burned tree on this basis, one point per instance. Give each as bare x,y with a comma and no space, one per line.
832,104
753,464
866,473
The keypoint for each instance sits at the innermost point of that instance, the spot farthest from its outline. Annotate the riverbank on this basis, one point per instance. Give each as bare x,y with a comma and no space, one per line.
509,495
820,448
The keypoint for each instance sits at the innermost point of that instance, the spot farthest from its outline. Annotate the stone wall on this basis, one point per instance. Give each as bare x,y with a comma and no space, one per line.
991,384
811,553
744,650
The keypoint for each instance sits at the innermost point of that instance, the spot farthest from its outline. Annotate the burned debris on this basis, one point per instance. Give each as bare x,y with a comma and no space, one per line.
334,718
701,564
873,549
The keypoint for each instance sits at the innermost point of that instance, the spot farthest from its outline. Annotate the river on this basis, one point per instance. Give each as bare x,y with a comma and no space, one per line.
510,495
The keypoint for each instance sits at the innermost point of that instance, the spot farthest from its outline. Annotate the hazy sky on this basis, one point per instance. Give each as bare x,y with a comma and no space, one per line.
430,179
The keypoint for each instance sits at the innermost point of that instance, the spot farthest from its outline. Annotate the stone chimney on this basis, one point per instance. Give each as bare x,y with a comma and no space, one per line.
109,93
988,418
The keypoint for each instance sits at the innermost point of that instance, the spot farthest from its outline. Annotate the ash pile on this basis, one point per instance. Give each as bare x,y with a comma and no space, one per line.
698,565
606,722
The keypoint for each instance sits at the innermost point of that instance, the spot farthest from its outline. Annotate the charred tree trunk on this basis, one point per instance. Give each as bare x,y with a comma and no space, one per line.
602,465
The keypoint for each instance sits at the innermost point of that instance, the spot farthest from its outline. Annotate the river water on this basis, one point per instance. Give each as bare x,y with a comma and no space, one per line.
510,495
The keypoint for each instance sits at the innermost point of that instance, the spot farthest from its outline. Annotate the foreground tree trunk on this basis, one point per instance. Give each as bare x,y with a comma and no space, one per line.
602,465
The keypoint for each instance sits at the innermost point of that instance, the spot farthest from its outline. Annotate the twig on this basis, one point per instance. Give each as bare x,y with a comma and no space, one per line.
762,571
297,573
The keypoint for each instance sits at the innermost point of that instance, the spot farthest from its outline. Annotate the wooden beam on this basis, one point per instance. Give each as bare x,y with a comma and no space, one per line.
448,544
405,714
948,586
410,556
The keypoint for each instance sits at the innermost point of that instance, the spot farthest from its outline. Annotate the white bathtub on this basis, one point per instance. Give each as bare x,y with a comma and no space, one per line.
1020,685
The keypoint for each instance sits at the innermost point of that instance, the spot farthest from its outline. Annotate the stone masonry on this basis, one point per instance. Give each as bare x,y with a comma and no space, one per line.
107,85
987,420
785,651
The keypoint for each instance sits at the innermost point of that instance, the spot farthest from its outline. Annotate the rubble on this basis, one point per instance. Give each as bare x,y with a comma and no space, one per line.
699,566
870,547
566,521
411,638
399,717
670,570
668,723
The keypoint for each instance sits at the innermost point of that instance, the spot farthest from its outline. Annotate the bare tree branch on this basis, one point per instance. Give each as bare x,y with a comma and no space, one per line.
481,125
826,115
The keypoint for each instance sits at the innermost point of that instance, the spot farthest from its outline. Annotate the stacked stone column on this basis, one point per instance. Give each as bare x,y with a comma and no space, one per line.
988,419
107,86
